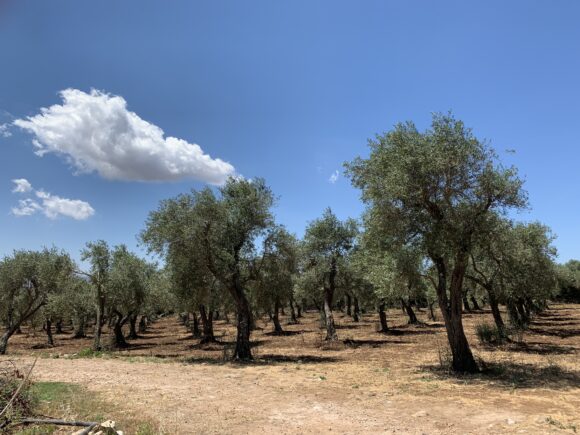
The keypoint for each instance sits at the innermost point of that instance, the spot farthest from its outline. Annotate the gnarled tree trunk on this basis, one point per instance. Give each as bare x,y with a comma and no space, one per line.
409,311
451,309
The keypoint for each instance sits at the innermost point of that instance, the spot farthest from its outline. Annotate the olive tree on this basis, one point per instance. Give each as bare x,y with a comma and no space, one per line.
98,255
129,281
514,265
326,241
277,267
27,279
435,190
222,228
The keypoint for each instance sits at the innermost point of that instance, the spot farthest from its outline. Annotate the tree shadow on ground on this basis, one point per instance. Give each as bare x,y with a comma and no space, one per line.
404,330
338,326
514,375
372,343
262,360
562,333
284,333
531,347
550,323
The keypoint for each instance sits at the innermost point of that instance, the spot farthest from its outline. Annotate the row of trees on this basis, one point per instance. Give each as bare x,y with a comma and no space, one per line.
435,232
46,287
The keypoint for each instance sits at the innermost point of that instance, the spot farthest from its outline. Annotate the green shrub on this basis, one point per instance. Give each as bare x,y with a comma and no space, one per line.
490,334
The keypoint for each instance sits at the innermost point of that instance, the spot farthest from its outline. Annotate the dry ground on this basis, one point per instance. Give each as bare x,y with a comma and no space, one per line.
369,383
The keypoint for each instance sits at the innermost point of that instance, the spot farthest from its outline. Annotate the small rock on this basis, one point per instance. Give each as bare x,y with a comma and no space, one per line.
510,421
420,414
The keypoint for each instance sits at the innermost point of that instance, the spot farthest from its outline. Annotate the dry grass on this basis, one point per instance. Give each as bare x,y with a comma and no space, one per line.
369,382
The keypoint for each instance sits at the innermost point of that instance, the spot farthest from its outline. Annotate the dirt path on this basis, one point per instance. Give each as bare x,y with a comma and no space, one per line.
369,383
304,398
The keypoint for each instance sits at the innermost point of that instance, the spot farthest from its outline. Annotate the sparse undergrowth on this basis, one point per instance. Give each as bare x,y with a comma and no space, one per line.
68,401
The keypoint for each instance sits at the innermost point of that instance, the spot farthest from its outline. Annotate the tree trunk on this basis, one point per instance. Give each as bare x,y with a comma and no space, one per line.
383,318
133,327
495,310
356,311
59,327
99,324
409,311
80,327
348,305
465,302
276,318
451,309
293,318
330,327
143,324
431,312
476,306
195,326
207,324
243,350
4,340
118,339
50,339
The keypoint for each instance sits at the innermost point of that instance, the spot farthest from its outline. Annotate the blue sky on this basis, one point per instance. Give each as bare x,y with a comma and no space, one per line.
283,90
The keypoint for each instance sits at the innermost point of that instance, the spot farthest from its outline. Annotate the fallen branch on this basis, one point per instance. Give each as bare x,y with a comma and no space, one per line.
56,422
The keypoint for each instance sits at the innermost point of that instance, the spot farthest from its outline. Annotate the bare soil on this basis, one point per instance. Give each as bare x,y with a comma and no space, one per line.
368,383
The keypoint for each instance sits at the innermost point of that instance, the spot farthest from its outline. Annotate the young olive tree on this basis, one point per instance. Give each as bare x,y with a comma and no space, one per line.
436,190
326,241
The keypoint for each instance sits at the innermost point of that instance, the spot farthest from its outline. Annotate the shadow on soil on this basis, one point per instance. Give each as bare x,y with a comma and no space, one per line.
514,375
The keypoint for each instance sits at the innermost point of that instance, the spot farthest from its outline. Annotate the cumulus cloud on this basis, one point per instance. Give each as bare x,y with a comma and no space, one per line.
21,185
334,177
95,132
52,206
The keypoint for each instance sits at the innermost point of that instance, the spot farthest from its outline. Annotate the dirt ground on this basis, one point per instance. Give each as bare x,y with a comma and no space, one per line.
369,383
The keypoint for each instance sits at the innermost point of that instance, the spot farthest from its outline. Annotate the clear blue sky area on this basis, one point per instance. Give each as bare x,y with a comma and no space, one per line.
287,91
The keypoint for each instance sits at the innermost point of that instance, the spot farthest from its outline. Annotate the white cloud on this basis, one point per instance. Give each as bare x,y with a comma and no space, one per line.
4,130
334,177
52,206
95,132
26,207
21,185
